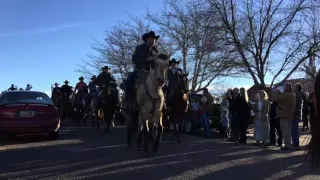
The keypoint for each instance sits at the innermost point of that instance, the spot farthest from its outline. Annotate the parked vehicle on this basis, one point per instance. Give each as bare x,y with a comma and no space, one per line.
28,112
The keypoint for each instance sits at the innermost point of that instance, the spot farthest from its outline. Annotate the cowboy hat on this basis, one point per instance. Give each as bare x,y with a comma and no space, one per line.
93,77
174,61
105,67
66,82
56,83
149,34
81,78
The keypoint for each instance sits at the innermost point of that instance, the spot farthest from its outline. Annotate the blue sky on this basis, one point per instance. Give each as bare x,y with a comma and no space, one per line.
43,41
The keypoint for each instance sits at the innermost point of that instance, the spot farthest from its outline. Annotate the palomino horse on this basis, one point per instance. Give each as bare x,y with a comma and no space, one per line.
150,100
178,102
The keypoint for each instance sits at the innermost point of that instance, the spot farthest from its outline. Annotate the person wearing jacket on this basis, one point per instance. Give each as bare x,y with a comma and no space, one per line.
285,111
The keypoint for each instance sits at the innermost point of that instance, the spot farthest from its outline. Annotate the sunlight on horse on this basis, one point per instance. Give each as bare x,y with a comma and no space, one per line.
150,100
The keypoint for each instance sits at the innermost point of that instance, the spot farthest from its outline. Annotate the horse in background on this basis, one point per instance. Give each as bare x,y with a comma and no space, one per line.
79,104
65,107
178,103
109,100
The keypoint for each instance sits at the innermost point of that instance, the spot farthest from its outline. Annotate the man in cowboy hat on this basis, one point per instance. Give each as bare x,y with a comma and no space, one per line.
92,89
142,57
65,89
172,76
81,86
92,85
103,79
55,93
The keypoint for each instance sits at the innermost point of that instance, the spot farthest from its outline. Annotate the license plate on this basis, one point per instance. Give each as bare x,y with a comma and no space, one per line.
26,113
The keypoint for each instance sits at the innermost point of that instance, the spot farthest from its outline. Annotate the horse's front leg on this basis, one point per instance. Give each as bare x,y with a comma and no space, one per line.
143,122
97,120
178,127
157,118
107,118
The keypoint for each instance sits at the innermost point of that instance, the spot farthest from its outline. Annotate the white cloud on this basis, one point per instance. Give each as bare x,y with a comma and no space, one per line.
45,30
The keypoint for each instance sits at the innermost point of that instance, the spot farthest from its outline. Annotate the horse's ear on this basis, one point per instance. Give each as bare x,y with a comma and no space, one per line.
187,74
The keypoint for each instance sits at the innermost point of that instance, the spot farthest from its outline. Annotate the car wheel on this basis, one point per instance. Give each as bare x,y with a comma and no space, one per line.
54,135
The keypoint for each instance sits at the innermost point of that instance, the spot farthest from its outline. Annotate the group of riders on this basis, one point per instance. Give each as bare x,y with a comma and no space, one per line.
101,94
142,58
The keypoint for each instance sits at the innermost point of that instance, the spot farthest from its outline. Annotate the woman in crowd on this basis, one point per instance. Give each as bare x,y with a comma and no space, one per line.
261,110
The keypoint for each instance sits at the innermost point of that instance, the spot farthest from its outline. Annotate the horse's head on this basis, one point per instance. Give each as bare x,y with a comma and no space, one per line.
160,66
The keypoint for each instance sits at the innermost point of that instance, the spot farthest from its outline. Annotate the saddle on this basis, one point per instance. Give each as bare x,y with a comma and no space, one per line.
132,105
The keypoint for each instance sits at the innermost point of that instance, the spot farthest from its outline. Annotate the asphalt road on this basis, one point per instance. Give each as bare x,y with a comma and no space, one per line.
85,153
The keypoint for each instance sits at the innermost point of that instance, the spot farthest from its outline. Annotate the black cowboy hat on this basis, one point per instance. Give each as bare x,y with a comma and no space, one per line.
93,77
105,67
66,82
174,61
149,34
81,78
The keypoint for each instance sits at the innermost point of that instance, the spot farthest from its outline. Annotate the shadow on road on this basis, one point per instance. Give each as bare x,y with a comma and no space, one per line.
96,155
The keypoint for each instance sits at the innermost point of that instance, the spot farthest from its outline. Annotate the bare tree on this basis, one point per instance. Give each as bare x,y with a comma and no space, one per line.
188,30
173,22
117,48
268,35
312,21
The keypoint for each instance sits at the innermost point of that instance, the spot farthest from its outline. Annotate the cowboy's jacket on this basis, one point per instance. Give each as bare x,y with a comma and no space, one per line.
65,89
104,79
55,91
92,87
141,54
172,79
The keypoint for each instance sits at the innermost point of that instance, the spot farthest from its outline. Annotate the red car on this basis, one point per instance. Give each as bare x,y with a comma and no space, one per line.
28,112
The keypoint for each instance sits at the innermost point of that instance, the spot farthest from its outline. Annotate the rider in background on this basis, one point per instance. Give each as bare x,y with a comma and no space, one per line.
65,89
29,87
172,77
55,93
142,57
12,88
81,87
92,89
103,80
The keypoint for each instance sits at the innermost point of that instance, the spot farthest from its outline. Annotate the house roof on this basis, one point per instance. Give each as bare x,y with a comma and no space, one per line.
308,86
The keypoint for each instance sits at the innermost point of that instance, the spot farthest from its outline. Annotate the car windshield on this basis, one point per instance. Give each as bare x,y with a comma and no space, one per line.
25,97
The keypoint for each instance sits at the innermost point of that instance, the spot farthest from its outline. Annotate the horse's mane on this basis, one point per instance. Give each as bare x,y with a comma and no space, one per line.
163,56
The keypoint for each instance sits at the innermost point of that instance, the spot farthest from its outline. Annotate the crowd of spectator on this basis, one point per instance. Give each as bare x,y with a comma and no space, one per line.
275,117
